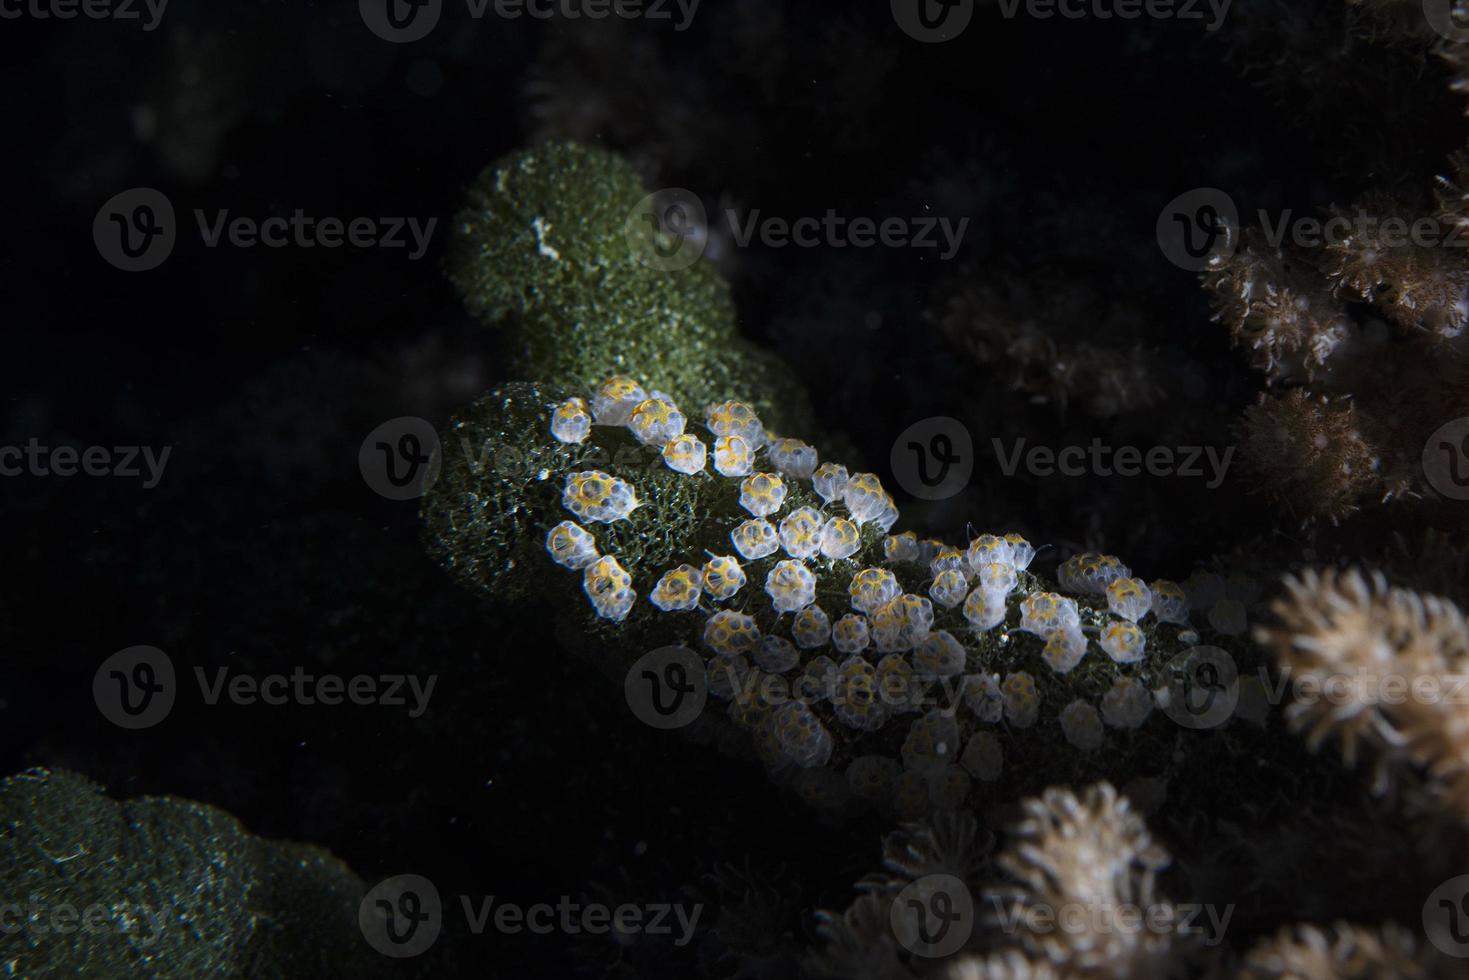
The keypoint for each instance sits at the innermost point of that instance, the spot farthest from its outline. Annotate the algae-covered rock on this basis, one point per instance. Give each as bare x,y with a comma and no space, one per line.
162,887
554,246
942,701
500,487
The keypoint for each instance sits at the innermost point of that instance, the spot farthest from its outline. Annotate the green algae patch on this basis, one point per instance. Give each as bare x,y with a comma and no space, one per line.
162,887
551,248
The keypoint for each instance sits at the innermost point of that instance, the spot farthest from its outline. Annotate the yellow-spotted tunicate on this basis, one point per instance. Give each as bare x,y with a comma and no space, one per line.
866,630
